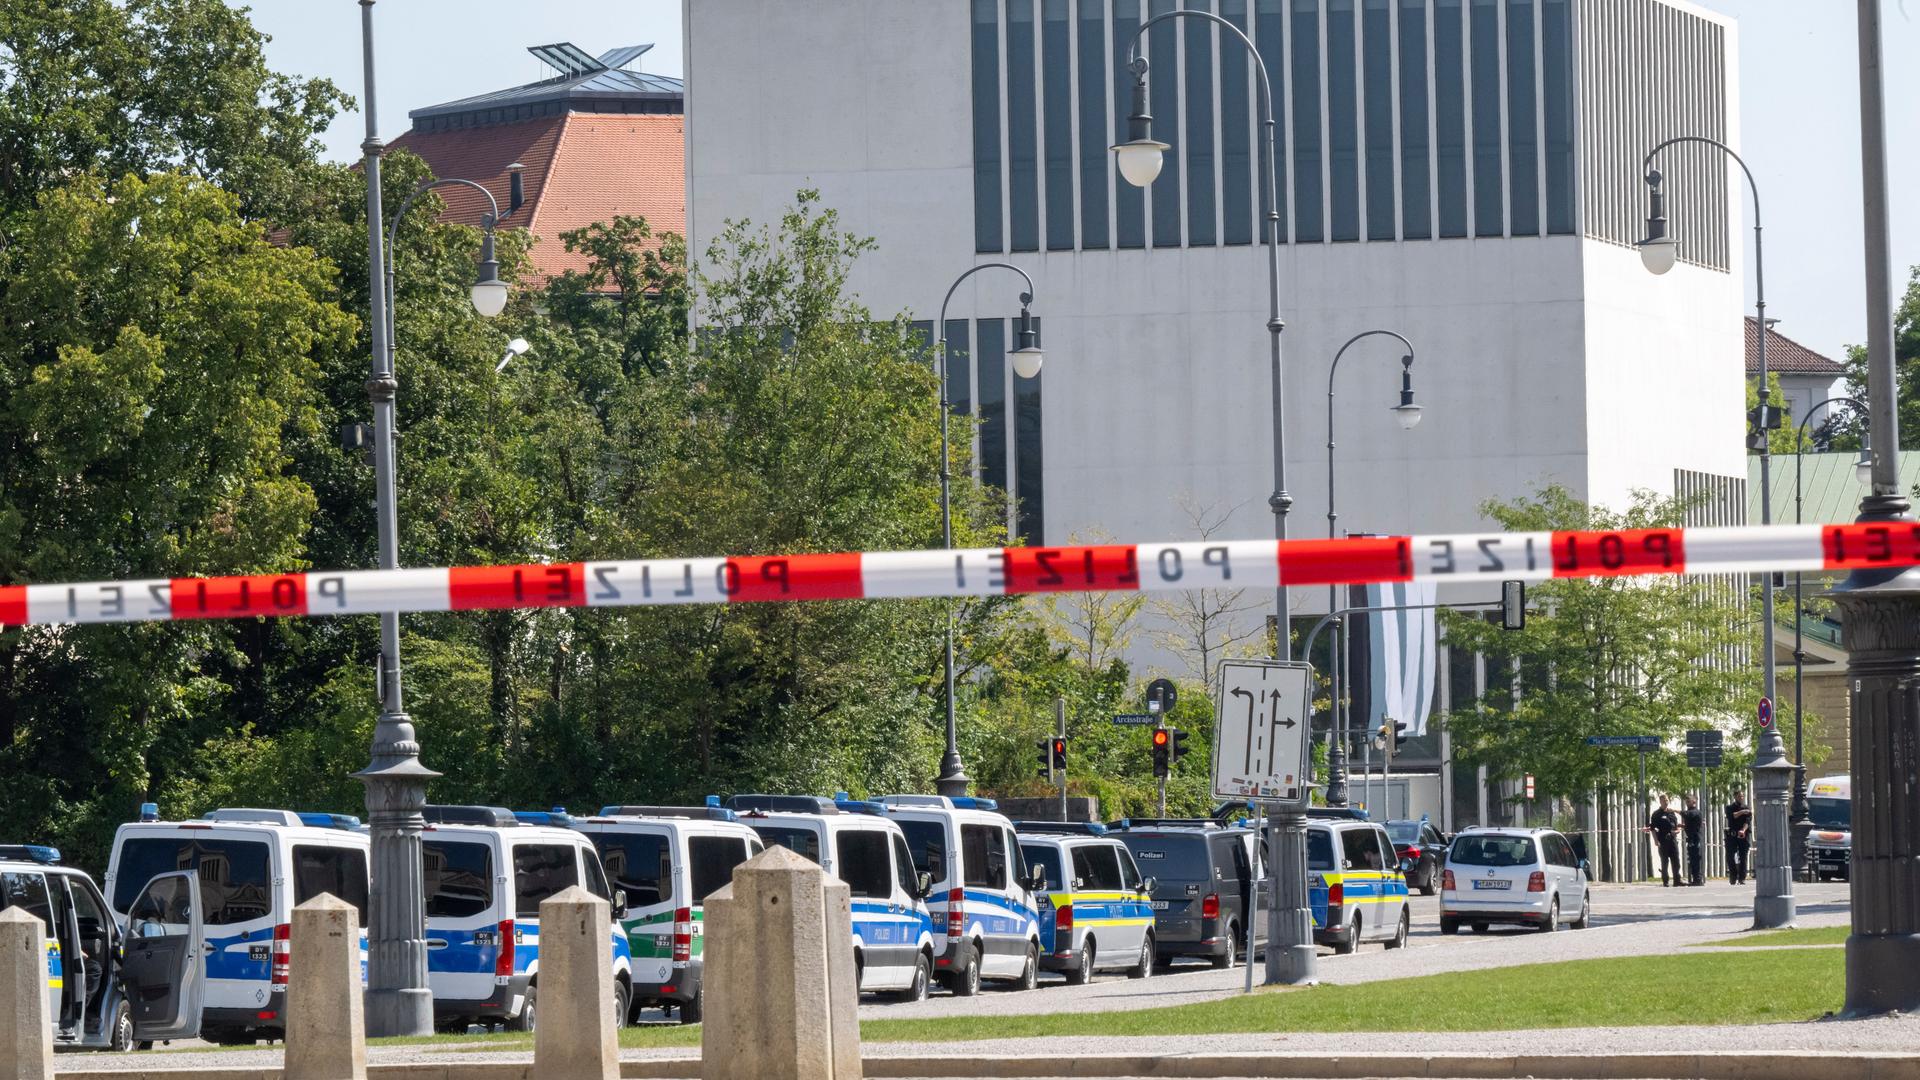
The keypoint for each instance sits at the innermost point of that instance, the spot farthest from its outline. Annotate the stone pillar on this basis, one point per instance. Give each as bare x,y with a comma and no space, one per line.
779,975
1772,863
26,1031
326,1029
576,1037
1292,959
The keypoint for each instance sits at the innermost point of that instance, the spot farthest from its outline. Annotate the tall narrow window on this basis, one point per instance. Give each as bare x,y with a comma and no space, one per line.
1129,202
1376,31
1343,131
959,368
1556,70
1523,139
1416,159
1163,48
1488,181
1270,35
1093,124
1450,119
1023,164
986,126
1199,130
1236,131
1056,75
1028,459
991,359
1306,122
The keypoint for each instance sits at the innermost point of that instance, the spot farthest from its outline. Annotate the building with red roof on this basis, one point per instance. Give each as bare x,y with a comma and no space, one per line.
1806,377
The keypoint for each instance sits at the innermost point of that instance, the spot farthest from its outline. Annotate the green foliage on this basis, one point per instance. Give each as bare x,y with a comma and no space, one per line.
1605,656
1906,360
1783,439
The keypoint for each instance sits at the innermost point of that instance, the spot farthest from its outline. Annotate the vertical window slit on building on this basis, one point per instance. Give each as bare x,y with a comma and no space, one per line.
986,126
1056,56
1270,37
1488,183
1523,139
1023,164
1129,202
1236,130
1198,132
1376,33
1556,67
991,358
1416,161
1029,475
1307,226
1163,49
1343,122
1450,121
959,367
1094,123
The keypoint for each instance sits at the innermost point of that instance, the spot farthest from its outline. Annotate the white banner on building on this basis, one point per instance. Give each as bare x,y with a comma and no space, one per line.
1402,657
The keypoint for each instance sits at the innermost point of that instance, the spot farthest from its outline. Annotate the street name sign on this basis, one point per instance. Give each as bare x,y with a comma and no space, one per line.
1260,732
1704,757
1704,737
1643,742
1135,719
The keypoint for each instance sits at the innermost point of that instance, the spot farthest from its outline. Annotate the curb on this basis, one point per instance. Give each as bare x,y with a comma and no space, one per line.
1730,1065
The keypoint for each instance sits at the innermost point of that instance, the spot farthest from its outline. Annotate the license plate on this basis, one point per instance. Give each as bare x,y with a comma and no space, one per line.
1493,884
1159,905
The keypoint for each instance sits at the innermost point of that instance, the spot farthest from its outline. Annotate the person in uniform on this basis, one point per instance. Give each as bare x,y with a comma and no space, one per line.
1739,838
1692,824
1664,824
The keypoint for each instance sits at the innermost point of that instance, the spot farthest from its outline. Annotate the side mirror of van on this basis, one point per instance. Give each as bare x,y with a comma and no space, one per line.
1149,886
1037,879
922,885
1586,869
619,905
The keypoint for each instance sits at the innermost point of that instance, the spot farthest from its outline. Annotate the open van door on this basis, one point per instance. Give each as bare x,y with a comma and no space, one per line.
164,969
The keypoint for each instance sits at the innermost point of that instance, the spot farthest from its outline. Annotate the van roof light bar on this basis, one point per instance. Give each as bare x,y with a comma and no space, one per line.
783,804
688,813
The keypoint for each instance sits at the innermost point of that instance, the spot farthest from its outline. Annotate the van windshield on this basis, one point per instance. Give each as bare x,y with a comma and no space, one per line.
1831,813
1493,851
235,884
459,878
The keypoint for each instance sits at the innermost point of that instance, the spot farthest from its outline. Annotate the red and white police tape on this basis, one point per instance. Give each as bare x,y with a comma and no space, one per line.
1530,556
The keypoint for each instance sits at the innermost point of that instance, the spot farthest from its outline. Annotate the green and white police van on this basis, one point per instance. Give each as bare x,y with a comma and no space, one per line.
667,860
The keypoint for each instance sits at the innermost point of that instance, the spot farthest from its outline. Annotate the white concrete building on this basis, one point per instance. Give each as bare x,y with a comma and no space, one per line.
1467,172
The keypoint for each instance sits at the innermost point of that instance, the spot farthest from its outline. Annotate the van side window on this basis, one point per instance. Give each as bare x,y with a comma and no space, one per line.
1095,865
596,875
28,891
339,871
903,866
983,850
1129,873
861,861
1387,856
1358,849
459,878
713,859
638,864
540,871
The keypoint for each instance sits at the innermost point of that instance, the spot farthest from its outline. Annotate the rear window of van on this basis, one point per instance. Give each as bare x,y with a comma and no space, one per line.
1170,857
339,871
713,859
1493,851
459,878
236,884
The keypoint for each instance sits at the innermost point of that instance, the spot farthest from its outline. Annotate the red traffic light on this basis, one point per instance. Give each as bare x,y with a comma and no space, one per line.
1160,737
1059,746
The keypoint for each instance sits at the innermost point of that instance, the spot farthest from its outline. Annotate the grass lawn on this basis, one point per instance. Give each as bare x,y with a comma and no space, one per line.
1817,935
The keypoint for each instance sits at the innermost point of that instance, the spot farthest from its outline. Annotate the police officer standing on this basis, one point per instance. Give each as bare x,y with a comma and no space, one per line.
1664,824
1692,824
1739,837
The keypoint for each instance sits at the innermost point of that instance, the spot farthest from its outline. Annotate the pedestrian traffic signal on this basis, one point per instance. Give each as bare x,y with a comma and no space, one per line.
1391,736
1045,771
1059,749
1162,751
1179,745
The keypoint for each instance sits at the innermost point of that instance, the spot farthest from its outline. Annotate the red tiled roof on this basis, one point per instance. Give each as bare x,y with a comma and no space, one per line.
581,168
1786,355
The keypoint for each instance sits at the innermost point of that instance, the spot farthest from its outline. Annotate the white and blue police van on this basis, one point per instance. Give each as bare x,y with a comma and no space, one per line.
486,875
854,841
983,900
249,869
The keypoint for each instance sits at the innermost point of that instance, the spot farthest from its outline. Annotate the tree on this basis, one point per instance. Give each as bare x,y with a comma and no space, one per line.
1602,656
1205,626
1906,360
1783,439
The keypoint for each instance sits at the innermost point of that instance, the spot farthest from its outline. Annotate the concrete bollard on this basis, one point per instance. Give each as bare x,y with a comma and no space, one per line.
326,1032
575,1038
780,990
26,1032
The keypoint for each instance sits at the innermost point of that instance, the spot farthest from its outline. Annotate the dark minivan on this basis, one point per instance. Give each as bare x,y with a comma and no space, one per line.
1203,873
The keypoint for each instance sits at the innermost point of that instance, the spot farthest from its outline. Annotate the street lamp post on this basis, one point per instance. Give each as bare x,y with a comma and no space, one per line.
1801,824
1773,901
1408,413
398,999
1290,953
1027,357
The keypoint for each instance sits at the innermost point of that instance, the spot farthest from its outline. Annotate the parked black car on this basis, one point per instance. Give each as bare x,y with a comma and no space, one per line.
1423,852
1203,886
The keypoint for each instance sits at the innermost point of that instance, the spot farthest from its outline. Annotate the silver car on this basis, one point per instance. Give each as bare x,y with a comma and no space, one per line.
1528,877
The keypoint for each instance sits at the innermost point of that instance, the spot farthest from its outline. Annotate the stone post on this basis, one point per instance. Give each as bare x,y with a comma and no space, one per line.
26,1032
779,975
326,1029
576,1037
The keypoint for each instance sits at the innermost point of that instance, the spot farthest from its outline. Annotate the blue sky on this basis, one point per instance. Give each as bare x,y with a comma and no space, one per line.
1799,108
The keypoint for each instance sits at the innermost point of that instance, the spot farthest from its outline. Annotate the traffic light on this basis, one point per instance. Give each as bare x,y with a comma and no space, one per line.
1180,747
1059,748
1045,758
1391,736
1162,751
1513,605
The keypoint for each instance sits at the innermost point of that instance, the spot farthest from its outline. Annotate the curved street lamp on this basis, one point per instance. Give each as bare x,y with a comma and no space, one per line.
1027,359
1408,414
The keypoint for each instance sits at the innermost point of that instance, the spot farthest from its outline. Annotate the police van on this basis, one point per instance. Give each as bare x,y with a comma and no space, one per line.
250,868
983,899
1355,886
1829,846
1096,911
855,842
665,861
486,875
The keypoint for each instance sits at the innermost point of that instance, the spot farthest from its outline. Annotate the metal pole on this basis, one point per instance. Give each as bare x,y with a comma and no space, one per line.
1159,724
1255,888
1060,731
1882,613
1640,815
398,1000
1336,790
